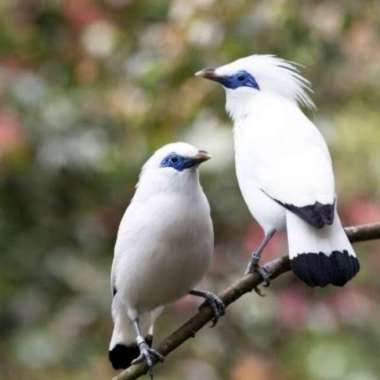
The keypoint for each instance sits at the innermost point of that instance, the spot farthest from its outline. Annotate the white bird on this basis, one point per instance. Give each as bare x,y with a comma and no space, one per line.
284,168
164,246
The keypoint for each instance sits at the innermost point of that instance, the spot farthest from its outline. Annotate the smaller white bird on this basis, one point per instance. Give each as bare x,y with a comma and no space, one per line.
284,168
164,247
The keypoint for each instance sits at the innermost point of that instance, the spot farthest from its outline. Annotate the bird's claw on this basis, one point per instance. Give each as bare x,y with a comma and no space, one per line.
258,291
217,306
253,263
265,274
150,355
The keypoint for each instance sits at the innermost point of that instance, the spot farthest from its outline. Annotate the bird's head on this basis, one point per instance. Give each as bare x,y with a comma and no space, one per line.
173,167
257,76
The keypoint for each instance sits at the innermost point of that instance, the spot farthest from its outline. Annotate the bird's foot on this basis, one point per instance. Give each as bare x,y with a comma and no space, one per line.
254,267
265,275
253,263
150,355
216,304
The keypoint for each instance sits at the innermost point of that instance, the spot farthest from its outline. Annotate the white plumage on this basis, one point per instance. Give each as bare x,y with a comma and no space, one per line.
284,167
164,246
280,149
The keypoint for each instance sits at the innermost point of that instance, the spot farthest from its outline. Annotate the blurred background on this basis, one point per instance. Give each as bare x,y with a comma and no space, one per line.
88,90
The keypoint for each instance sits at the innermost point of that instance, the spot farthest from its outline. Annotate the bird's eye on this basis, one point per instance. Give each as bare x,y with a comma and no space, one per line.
174,159
241,77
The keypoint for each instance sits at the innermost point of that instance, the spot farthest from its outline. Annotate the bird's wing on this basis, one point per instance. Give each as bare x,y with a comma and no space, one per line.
298,174
129,228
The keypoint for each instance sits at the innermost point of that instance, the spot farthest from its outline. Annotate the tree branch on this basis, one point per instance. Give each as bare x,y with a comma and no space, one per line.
231,294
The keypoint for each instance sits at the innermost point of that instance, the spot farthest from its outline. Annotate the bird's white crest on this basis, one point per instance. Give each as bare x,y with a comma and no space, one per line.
275,77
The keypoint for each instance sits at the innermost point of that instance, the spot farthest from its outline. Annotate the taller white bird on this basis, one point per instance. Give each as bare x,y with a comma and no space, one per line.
164,246
284,167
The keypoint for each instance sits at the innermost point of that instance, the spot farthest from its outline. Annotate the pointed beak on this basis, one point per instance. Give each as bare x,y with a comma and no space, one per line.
201,156
208,73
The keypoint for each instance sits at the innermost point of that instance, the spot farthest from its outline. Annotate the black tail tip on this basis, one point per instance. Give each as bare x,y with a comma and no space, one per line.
121,355
319,269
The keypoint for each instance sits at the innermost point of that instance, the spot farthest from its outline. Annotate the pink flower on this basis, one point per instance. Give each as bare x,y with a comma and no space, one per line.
362,210
12,136
81,13
293,308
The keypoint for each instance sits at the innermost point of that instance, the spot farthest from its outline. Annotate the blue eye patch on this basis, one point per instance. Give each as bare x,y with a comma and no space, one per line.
177,162
240,79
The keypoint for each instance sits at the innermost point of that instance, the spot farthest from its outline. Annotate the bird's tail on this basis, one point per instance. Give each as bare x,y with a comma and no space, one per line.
123,347
320,256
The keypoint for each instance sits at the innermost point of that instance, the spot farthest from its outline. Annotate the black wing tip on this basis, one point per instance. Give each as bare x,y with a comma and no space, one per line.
317,214
319,269
121,355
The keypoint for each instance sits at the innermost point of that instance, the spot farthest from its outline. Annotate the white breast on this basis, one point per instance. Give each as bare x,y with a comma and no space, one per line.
165,253
247,160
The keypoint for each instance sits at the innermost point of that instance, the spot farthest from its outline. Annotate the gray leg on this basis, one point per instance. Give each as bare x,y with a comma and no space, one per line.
253,265
147,353
213,301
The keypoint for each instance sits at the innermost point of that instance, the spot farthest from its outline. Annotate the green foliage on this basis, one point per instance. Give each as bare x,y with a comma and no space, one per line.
89,89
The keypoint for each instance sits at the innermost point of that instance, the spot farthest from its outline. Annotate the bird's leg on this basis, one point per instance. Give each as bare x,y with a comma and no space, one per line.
212,300
253,265
147,353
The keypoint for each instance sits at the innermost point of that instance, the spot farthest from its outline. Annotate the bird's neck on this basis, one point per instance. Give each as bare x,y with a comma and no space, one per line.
151,185
242,107
239,107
